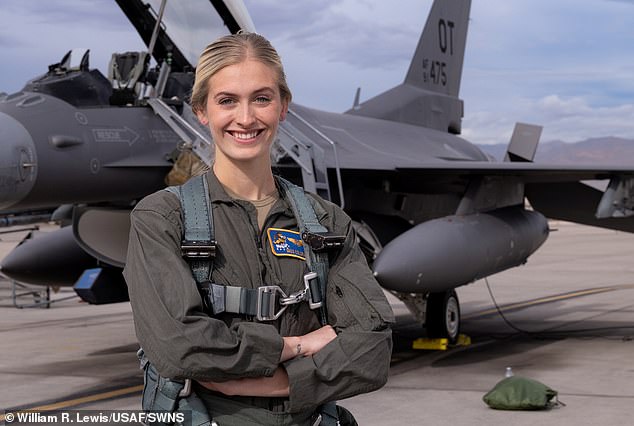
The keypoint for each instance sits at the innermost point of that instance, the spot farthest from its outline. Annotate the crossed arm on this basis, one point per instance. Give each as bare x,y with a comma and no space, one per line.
278,384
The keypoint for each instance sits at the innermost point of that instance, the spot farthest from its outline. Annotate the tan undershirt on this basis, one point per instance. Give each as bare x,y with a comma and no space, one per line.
262,206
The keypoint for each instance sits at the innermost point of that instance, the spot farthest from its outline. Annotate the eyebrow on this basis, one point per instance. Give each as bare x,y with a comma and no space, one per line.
255,92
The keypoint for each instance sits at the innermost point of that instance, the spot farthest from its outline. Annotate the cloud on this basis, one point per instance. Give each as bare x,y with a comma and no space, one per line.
567,66
9,40
93,14
336,32
568,119
35,34
556,107
573,119
280,20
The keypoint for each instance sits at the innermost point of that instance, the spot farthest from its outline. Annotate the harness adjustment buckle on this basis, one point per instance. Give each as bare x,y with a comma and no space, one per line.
198,249
322,241
313,297
270,296
267,303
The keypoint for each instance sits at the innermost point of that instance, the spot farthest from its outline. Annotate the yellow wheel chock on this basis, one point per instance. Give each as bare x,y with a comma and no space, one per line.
440,344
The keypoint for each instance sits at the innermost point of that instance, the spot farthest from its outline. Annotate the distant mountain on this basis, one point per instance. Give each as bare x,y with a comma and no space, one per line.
608,150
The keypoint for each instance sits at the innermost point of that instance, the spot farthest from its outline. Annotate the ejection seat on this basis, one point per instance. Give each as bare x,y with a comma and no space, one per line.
127,73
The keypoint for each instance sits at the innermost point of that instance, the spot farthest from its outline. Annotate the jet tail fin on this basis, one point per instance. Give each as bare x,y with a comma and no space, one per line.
429,95
523,143
437,62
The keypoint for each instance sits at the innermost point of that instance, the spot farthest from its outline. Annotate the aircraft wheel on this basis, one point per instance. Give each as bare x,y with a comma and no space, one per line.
442,319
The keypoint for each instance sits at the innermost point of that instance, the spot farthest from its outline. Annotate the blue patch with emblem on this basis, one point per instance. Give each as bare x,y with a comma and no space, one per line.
286,243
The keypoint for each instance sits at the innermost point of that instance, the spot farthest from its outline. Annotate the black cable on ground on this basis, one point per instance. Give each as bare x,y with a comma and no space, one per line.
552,332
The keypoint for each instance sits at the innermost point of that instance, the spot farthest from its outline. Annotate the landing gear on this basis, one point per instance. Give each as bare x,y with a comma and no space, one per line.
442,317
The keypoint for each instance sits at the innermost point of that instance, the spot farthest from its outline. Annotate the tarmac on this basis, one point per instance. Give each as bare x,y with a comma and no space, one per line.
568,322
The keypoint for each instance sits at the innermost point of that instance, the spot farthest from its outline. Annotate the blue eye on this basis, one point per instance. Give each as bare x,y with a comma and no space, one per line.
262,99
225,101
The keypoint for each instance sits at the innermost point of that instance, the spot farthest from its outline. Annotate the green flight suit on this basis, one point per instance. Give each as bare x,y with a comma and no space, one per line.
182,341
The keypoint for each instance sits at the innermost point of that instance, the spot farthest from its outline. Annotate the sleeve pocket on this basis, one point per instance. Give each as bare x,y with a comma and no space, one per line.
355,300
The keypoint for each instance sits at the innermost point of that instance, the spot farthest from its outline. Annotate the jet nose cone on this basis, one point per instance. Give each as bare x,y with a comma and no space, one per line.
390,265
17,161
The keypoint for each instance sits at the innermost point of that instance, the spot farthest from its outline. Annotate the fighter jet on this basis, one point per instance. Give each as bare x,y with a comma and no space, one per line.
432,211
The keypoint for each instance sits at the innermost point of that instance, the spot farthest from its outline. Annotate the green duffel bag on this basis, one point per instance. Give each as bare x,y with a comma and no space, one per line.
520,393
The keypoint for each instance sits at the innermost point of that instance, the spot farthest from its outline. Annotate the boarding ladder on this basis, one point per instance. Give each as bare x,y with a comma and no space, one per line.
194,136
310,156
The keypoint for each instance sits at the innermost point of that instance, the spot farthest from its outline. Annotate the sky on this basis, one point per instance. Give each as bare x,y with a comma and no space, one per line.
567,65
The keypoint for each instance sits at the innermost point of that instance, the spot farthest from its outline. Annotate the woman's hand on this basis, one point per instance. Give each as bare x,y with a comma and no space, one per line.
308,344
277,385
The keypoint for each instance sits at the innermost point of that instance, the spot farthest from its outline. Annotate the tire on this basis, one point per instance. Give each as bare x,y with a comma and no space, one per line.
442,319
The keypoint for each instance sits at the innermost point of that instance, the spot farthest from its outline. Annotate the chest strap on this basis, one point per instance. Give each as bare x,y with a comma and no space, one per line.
266,303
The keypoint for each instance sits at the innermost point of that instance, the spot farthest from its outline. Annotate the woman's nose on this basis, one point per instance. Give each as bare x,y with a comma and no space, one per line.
246,116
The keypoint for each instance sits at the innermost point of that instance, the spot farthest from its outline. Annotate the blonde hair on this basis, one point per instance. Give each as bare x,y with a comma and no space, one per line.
231,50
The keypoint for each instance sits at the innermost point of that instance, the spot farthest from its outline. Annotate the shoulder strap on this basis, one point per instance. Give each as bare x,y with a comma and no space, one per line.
198,245
317,261
308,224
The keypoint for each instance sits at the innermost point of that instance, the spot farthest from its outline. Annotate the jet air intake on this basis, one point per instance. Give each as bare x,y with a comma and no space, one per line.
445,253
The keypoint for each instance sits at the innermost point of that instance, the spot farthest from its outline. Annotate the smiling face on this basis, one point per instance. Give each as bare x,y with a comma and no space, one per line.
243,109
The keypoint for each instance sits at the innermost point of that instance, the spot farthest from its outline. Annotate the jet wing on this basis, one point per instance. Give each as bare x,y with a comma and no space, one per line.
187,26
527,172
557,191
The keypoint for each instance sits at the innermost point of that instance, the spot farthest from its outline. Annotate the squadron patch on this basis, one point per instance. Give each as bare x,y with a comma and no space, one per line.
286,243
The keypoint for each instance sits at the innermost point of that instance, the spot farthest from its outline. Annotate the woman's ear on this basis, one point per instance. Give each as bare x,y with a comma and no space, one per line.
284,110
202,118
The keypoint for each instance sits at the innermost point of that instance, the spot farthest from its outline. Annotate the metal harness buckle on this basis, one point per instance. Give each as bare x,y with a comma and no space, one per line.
310,297
270,296
187,389
198,249
322,241
266,308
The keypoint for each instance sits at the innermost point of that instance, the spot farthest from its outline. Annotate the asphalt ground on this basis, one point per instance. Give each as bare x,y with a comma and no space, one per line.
568,322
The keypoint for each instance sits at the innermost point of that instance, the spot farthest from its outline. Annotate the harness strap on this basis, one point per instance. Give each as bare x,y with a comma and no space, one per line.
329,414
308,224
265,303
236,300
198,244
318,263
197,408
163,394
168,393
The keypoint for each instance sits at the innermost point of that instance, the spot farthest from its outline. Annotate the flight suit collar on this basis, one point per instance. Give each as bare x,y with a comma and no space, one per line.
216,191
218,194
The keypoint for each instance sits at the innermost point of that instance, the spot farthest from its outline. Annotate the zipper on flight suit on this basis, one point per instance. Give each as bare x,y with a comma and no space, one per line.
254,233
258,236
